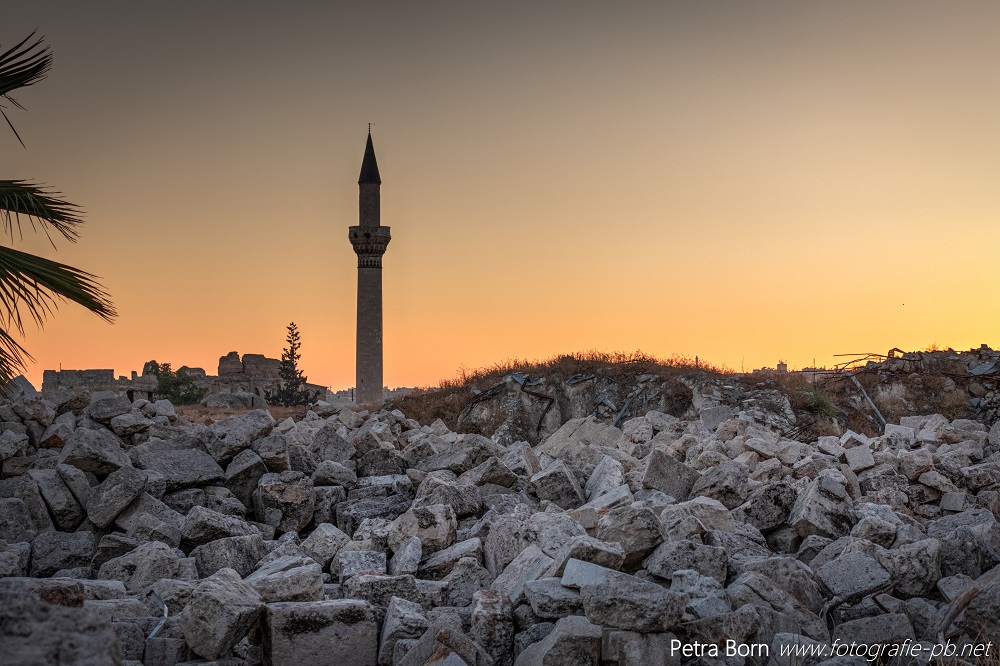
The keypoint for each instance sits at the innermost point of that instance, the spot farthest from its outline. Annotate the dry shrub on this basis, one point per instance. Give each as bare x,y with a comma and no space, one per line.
892,408
449,398
201,414
563,366
955,405
930,394
427,405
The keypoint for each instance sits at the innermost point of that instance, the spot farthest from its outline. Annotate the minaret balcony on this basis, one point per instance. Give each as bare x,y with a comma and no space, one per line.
369,242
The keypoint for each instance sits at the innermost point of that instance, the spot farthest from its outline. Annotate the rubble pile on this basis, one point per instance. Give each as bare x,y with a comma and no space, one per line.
129,535
967,382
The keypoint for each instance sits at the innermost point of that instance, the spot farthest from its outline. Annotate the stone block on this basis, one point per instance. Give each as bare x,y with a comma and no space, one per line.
163,651
52,551
587,548
631,648
466,578
203,525
352,562
852,574
285,501
324,543
233,434
114,494
529,565
439,564
436,527
636,528
888,628
574,640
143,566
726,482
222,610
96,451
665,473
240,553
493,625
558,484
378,590
671,556
549,599
351,514
66,512
33,632
632,604
243,474
403,620
406,559
288,578
859,458
577,574
608,475
311,633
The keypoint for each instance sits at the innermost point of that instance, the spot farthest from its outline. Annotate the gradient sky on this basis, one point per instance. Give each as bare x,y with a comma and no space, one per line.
742,181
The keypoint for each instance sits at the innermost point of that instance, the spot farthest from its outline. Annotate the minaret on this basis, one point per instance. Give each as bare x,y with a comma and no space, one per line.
370,240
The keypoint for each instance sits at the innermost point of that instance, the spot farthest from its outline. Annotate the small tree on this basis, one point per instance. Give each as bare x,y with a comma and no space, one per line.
177,387
293,389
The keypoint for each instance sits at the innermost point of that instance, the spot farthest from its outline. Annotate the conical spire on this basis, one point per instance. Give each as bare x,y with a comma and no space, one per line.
369,167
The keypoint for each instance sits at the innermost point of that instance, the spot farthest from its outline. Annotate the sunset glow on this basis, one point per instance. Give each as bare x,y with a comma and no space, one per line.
745,182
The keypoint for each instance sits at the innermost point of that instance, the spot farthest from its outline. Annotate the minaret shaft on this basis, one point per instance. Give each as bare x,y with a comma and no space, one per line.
369,351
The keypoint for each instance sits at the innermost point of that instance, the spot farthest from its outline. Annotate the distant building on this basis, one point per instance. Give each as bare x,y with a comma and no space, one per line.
781,369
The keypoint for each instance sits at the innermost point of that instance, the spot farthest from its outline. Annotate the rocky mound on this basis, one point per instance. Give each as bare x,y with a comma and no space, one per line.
129,535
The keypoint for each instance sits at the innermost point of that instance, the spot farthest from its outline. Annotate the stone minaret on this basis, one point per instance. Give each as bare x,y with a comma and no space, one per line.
370,240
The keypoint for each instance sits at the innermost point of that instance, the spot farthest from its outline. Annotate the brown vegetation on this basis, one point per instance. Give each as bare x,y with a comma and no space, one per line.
202,414
449,398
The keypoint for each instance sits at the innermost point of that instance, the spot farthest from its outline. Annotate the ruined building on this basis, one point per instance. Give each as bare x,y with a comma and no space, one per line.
370,240
137,386
253,373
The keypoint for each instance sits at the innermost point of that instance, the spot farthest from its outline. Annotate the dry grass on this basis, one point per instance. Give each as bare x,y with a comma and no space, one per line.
207,415
447,400
563,366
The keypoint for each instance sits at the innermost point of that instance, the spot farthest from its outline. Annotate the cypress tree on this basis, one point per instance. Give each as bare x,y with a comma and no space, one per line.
293,389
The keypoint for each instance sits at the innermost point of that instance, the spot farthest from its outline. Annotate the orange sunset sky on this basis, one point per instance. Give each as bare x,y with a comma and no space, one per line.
742,181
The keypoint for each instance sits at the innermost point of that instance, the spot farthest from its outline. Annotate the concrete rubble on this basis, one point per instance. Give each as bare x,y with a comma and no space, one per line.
130,535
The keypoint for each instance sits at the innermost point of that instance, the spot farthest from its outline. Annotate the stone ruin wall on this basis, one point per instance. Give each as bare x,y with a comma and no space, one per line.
253,373
59,381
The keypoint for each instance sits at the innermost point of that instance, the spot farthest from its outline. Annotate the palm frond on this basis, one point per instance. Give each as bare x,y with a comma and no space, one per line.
22,65
37,285
42,208
13,357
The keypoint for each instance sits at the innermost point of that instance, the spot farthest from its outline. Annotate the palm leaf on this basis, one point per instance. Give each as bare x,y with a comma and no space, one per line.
12,358
37,285
42,208
28,282
22,65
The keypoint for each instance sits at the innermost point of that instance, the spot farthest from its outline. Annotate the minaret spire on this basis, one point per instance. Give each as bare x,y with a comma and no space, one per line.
369,166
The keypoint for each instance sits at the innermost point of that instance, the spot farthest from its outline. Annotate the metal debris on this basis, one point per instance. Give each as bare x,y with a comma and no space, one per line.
987,368
159,602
